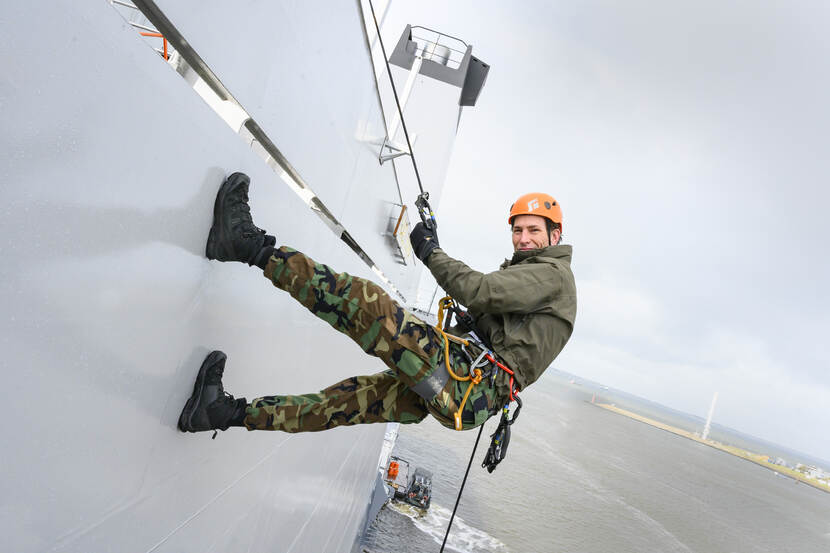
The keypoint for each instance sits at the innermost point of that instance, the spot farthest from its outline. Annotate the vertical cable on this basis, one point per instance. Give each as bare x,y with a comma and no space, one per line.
480,430
397,101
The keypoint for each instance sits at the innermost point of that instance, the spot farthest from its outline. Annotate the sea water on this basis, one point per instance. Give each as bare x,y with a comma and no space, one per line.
578,478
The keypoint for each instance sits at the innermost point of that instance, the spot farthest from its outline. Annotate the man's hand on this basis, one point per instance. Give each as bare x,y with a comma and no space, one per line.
423,241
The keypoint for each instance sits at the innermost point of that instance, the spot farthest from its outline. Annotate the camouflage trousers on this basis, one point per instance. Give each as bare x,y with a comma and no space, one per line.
411,348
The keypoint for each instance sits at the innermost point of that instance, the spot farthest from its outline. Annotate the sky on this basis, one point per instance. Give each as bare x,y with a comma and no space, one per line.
687,145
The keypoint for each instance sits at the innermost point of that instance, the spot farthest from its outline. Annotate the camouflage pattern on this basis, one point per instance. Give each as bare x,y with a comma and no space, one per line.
380,397
410,348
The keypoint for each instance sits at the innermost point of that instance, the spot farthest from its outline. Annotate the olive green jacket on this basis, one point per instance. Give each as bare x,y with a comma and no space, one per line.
526,308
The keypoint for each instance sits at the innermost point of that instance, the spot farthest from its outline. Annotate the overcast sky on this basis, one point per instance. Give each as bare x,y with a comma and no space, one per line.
687,143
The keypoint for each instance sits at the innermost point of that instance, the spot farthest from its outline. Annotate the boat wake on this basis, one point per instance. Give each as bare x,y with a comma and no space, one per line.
463,537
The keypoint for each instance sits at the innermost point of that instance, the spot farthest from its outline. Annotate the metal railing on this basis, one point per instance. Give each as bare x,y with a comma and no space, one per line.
439,47
137,20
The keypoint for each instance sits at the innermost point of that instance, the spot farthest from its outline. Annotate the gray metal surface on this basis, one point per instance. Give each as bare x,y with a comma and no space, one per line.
109,165
268,55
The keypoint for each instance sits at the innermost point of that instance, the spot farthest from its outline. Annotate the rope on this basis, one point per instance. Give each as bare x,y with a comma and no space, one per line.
458,499
395,92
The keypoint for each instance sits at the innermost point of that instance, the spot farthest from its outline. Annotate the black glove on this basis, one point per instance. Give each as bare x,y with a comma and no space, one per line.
423,241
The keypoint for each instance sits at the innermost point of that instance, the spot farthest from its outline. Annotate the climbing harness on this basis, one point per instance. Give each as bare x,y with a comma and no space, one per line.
500,439
476,375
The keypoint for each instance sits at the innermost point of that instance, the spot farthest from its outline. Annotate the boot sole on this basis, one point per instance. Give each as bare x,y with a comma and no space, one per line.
218,233
185,419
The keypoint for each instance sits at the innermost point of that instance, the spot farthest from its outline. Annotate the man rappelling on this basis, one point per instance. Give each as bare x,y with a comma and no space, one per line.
517,320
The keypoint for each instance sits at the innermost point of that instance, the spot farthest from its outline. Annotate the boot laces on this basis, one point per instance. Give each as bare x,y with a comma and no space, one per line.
225,399
242,210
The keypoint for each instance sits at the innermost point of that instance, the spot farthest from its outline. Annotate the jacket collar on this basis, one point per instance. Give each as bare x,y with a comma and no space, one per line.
558,252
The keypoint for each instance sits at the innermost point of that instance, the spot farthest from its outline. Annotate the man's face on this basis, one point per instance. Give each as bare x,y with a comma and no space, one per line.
531,233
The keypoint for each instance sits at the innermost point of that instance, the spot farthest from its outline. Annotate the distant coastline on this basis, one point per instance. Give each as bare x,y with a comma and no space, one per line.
758,459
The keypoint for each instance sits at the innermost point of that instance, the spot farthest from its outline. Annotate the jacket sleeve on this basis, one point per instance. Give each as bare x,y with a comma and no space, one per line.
521,288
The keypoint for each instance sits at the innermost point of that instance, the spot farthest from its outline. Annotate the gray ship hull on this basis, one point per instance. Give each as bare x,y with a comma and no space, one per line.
110,164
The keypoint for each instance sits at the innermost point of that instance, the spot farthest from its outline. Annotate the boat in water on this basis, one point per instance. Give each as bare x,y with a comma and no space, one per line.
419,492
408,484
120,121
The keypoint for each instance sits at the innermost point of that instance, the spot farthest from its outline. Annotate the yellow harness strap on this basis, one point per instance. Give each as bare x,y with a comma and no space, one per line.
475,374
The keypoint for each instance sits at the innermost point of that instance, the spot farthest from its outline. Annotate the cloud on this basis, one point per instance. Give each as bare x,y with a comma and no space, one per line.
609,308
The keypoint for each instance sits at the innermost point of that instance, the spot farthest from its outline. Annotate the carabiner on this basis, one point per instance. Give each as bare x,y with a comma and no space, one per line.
425,211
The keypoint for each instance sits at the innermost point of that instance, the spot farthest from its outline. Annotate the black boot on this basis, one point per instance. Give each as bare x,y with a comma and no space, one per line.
210,407
233,236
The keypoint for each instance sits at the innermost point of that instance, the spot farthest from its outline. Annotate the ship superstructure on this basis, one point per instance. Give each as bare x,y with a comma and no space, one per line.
110,162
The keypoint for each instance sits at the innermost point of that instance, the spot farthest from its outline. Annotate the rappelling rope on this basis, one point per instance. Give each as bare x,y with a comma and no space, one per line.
458,499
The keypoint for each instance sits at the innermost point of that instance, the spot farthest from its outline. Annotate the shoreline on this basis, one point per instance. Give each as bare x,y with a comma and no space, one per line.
736,451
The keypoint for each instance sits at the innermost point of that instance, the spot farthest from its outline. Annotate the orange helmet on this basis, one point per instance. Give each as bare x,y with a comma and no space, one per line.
537,203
